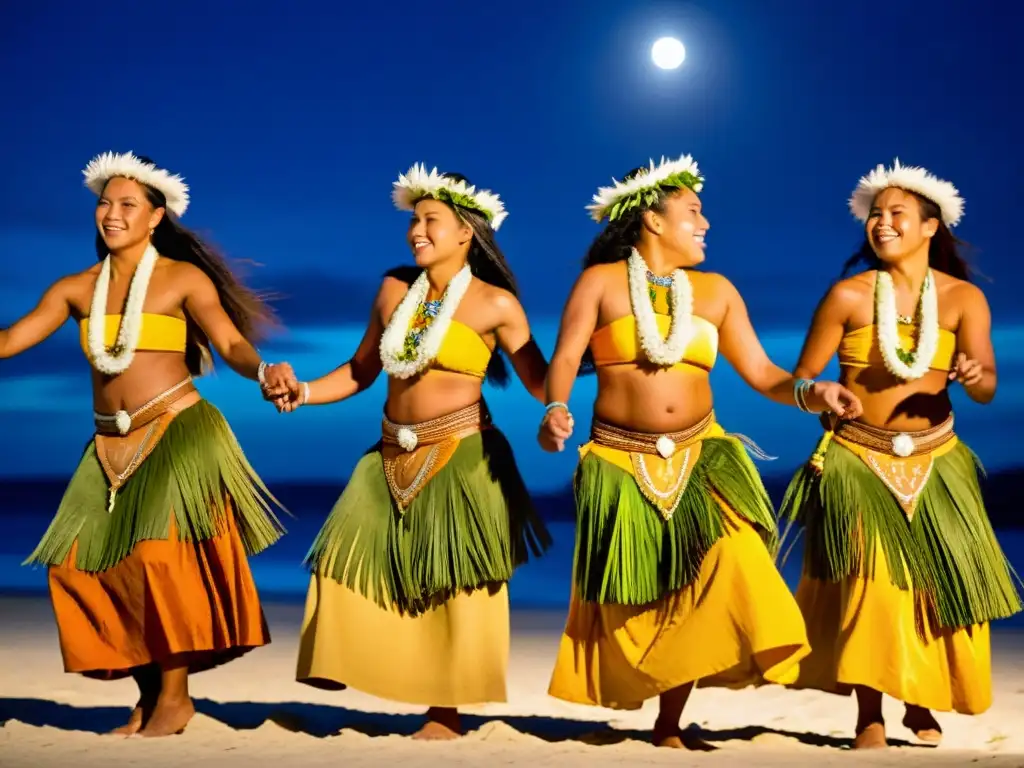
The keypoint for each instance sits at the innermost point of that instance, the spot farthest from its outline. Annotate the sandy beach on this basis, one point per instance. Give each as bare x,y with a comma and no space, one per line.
252,712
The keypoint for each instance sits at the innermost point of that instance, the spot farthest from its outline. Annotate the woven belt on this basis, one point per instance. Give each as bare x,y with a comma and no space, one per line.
122,422
663,445
900,444
465,421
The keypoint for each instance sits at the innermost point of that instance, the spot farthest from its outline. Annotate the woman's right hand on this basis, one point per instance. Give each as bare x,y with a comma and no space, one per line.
286,397
555,429
834,397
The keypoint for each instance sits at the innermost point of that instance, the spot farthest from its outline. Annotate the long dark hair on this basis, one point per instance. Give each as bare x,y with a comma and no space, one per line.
616,242
486,262
618,238
943,251
247,309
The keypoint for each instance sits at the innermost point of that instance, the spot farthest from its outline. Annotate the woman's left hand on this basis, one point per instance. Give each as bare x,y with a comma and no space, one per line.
967,372
834,397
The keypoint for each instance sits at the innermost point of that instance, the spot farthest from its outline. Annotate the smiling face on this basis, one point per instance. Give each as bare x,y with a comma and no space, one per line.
681,227
437,234
124,215
895,227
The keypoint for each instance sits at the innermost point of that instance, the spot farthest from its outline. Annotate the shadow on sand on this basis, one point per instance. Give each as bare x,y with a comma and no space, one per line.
321,721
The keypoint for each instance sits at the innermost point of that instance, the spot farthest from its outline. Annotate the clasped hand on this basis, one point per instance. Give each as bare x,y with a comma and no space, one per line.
555,429
281,387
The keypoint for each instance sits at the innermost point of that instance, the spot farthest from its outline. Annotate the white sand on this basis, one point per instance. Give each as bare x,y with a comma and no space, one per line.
253,713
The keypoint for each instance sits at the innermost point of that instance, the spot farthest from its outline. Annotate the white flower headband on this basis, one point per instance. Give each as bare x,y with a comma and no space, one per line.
417,183
911,179
643,188
104,167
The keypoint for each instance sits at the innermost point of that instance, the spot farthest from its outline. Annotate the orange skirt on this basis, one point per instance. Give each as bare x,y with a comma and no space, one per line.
167,601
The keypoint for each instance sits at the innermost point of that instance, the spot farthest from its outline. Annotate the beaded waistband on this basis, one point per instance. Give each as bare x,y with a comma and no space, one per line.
645,442
465,421
122,422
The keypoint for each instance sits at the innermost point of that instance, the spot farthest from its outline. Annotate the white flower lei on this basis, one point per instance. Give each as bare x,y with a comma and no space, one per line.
392,341
886,322
670,350
113,364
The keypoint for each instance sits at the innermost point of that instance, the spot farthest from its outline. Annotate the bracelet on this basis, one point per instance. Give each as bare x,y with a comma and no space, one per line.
261,373
305,393
800,389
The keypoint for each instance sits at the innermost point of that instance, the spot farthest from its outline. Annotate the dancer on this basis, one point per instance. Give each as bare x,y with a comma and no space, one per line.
674,582
408,600
147,553
902,571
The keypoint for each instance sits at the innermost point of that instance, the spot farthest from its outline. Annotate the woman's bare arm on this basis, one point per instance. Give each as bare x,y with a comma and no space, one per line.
827,329
974,344
742,348
52,311
516,340
202,303
740,345
359,372
579,320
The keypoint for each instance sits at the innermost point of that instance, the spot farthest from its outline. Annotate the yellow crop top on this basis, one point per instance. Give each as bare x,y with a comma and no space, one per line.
463,351
618,342
859,347
160,333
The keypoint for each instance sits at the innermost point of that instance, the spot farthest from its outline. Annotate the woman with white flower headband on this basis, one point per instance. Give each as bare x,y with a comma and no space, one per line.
147,553
902,571
408,599
674,582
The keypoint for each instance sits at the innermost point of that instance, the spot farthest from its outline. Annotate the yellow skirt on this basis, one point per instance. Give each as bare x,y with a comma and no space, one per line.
455,654
865,631
736,624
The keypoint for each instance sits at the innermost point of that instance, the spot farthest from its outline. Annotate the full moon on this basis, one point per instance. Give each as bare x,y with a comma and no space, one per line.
667,53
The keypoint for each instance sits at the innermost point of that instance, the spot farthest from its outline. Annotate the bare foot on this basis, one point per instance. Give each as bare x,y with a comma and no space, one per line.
668,736
134,724
923,724
169,718
871,736
442,724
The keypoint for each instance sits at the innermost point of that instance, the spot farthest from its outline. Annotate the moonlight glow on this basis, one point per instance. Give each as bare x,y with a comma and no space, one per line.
667,53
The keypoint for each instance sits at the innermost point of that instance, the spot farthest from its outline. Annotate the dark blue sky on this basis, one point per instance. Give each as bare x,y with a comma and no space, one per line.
290,124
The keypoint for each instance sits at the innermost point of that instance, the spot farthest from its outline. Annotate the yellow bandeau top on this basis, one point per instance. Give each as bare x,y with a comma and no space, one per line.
160,333
859,347
618,342
463,351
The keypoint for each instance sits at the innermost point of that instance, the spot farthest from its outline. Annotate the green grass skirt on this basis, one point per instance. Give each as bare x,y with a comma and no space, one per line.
195,469
627,554
471,525
951,553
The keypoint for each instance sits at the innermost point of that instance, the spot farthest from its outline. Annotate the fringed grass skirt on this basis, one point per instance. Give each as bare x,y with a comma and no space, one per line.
410,603
165,571
902,571
674,578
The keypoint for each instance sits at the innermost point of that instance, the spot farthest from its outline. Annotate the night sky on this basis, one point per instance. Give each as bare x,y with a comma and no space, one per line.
290,124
